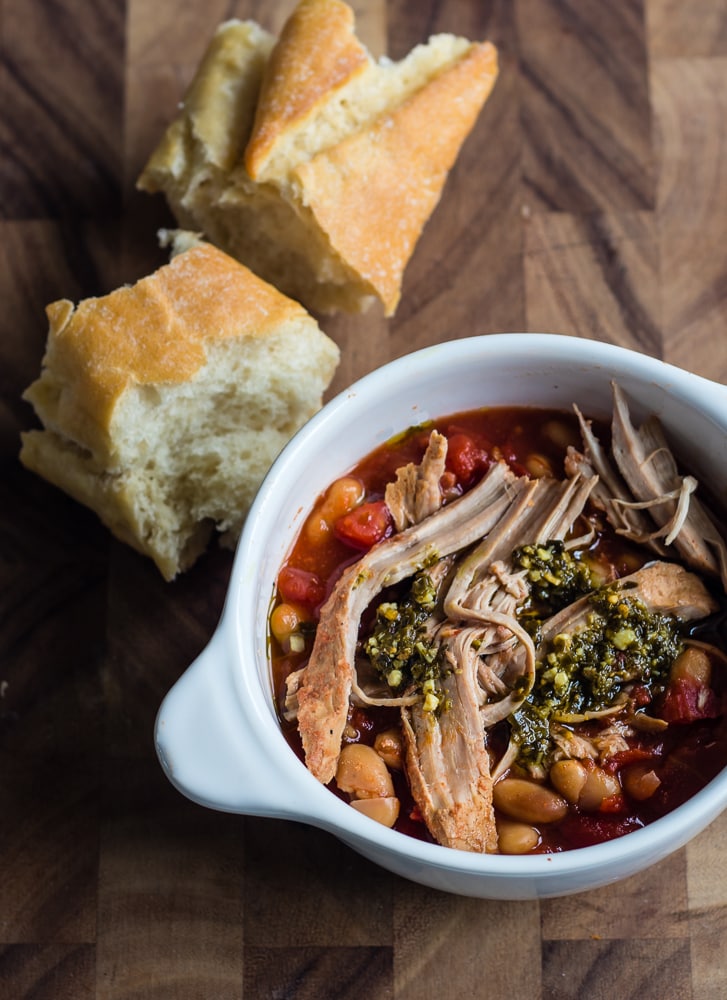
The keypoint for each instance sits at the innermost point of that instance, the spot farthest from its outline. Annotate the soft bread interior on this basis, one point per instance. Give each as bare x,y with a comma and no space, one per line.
179,459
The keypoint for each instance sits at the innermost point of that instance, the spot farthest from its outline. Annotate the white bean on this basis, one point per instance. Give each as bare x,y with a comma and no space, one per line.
561,433
285,623
528,801
383,810
640,781
362,773
516,838
388,746
599,785
342,496
568,777
692,665
539,466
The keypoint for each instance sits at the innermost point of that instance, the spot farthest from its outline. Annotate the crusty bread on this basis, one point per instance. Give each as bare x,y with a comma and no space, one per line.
312,163
165,403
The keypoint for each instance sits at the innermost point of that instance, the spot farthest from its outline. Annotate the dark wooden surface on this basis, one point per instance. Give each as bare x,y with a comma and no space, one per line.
591,200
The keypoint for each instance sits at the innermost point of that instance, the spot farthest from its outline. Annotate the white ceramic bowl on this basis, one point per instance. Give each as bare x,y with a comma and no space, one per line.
217,734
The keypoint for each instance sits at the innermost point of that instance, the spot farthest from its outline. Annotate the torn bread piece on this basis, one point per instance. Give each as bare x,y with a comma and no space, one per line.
311,162
164,404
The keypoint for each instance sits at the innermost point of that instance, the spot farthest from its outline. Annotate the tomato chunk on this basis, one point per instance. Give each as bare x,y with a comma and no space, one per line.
299,586
465,458
586,830
635,755
686,700
613,804
365,525
640,695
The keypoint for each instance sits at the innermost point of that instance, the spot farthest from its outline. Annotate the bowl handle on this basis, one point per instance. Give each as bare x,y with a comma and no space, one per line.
206,744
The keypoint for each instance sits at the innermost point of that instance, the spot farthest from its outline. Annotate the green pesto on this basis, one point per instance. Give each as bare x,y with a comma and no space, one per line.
586,670
398,646
555,577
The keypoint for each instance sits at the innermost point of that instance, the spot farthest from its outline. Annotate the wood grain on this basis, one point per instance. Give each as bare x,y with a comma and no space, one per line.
585,106
692,208
443,943
594,276
590,199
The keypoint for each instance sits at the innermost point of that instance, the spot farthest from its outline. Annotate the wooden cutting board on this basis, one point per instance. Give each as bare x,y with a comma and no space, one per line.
590,200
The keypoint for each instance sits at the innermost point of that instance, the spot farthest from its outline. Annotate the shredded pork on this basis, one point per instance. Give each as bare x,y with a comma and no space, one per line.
415,493
649,468
447,762
326,683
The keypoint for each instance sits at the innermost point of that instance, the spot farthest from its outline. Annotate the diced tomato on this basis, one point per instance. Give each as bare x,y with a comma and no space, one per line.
686,700
640,695
636,755
449,485
365,525
615,803
300,586
465,458
586,829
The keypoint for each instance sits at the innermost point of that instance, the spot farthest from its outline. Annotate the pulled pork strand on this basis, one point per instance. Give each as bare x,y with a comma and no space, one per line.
448,765
610,493
650,470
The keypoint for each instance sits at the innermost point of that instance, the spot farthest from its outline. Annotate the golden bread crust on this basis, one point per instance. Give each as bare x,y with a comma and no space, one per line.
219,106
165,403
233,66
373,192
345,161
316,54
154,332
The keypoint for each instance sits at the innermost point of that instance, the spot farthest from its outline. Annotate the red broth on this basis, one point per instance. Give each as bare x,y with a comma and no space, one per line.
685,756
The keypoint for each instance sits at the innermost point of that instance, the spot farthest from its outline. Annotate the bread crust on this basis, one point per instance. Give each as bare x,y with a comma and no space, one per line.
373,192
342,167
218,110
155,332
297,82
163,404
